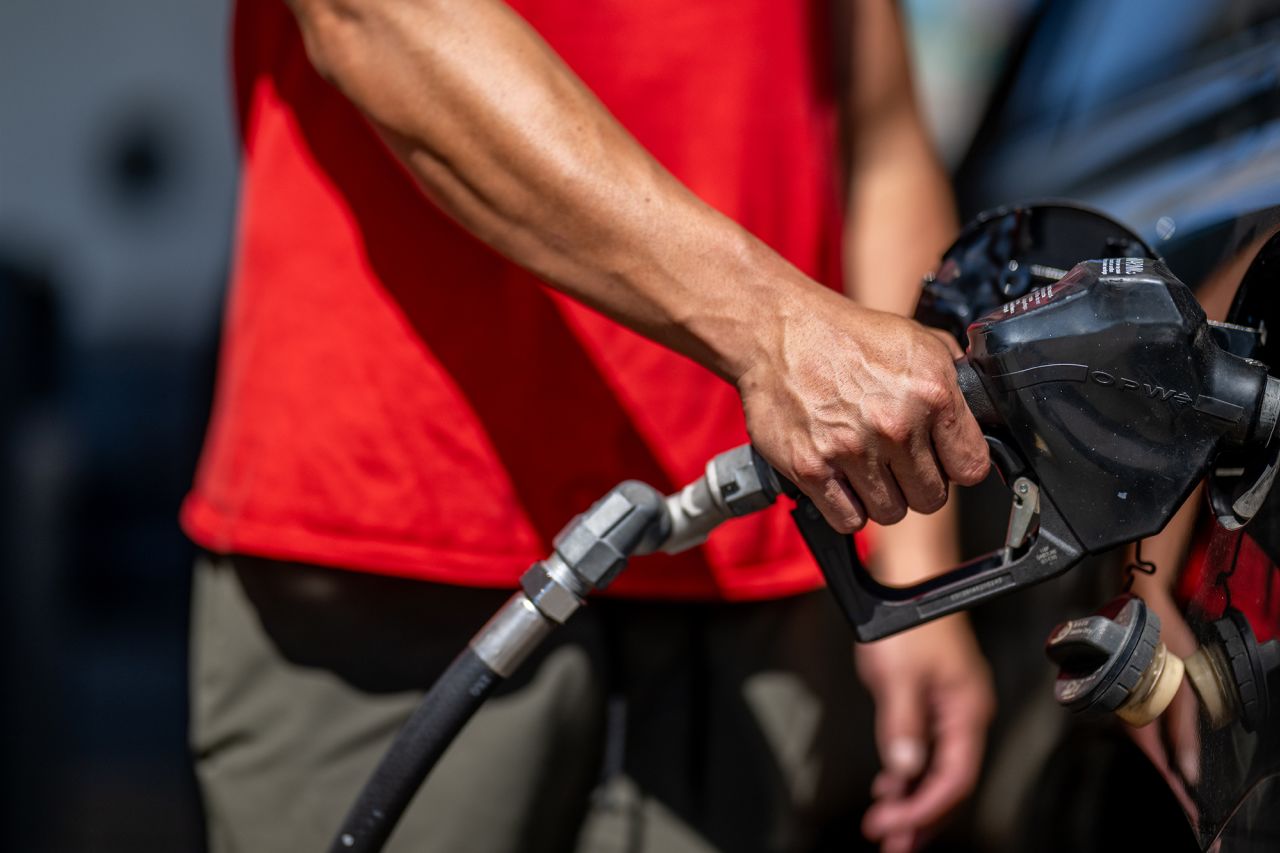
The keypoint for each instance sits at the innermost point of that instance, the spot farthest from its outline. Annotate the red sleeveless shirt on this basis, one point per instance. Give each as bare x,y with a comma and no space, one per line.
394,397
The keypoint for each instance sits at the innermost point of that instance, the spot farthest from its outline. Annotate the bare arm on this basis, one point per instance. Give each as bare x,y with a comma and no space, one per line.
900,214
931,685
502,135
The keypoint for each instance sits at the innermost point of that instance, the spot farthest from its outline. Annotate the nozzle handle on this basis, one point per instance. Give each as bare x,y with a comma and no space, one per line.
876,610
975,393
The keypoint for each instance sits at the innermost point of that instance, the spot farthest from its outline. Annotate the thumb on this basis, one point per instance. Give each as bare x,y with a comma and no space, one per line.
900,729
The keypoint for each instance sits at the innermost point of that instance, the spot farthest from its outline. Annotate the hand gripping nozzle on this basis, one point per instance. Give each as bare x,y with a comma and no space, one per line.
1104,399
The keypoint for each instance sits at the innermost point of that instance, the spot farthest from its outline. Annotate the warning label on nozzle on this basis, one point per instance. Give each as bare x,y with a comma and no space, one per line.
1073,284
1123,266
1034,299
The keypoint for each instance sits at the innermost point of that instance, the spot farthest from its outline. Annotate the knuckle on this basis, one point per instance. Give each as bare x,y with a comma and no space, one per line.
940,400
936,394
898,431
810,468
891,426
851,444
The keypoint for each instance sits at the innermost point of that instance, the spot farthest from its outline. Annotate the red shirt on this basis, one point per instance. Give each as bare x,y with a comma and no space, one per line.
394,397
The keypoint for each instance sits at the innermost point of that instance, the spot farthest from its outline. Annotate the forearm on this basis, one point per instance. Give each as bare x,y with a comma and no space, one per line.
900,217
507,140
917,548
900,213
503,136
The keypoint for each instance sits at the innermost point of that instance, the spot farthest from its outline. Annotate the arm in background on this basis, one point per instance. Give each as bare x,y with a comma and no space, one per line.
931,685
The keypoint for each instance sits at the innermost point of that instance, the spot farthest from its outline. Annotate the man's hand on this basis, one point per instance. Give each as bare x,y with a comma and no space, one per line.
934,701
861,410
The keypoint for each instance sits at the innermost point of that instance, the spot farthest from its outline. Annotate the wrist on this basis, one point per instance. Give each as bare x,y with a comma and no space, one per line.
743,301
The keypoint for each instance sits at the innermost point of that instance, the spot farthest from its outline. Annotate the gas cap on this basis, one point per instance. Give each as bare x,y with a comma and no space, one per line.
1113,661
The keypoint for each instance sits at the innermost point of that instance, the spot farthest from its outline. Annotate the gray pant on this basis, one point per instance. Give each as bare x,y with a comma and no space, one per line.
639,727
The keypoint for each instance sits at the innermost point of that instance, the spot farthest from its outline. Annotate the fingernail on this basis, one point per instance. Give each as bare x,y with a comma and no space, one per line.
905,756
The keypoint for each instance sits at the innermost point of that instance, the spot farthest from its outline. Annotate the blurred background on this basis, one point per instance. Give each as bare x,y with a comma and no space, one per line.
117,185
117,180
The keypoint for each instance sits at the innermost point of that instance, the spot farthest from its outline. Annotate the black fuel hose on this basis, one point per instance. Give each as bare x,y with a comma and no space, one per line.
434,724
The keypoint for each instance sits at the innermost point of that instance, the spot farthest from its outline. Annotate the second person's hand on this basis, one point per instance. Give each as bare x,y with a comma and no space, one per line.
934,701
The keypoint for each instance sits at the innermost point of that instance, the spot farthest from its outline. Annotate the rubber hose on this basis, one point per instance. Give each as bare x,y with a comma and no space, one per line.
450,702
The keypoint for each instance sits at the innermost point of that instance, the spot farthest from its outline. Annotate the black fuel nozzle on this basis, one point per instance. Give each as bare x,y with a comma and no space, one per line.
1008,251
1105,399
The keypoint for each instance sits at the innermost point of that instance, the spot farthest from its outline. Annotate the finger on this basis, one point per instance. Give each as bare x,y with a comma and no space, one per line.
835,500
950,778
961,448
915,469
875,486
901,729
